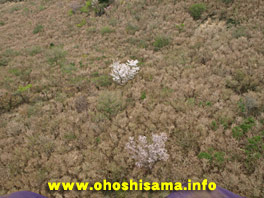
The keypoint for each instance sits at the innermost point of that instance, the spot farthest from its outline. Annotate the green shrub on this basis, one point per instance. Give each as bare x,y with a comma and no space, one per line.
15,71
38,28
180,27
255,146
34,50
219,157
22,89
215,157
232,22
2,23
4,62
70,136
239,32
98,9
254,151
205,155
7,55
110,103
102,81
56,55
10,53
86,8
106,30
242,82
214,125
143,95
138,42
68,68
227,1
241,106
105,1
242,129
131,29
196,10
15,8
91,30
160,42
82,23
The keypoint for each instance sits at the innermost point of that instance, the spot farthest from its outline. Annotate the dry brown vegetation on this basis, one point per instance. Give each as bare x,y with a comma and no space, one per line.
201,82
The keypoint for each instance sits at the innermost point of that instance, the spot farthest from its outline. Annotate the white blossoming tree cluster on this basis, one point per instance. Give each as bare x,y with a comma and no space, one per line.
146,154
123,72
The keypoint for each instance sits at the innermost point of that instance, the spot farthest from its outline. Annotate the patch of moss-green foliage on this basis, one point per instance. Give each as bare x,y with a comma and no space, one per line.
143,95
56,56
110,103
68,68
205,155
7,56
240,32
95,6
254,150
131,29
227,1
214,157
240,130
34,50
21,92
106,30
3,62
102,81
255,146
196,10
86,8
160,42
180,27
214,125
38,28
82,23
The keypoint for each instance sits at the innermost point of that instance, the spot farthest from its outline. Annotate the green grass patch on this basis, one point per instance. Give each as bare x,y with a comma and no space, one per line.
255,146
180,27
56,56
70,136
254,150
102,80
240,130
143,95
106,30
68,68
160,42
87,7
240,32
196,10
131,29
214,125
34,50
7,56
38,28
15,8
227,1
4,62
10,53
214,157
82,23
110,104
15,71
